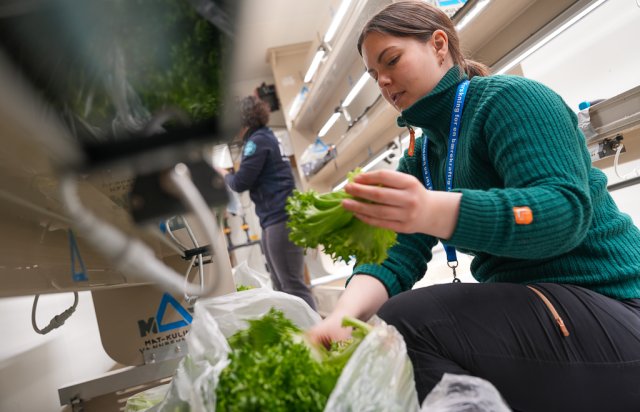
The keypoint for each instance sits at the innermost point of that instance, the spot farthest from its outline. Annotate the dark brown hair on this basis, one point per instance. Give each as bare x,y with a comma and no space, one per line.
254,113
419,20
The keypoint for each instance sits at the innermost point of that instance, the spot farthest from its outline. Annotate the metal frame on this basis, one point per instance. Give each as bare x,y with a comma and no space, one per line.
117,380
617,115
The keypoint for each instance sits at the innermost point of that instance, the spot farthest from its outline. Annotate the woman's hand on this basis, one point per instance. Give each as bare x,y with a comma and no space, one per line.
402,204
361,299
329,330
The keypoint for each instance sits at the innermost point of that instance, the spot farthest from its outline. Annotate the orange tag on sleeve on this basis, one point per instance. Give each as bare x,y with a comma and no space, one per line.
523,215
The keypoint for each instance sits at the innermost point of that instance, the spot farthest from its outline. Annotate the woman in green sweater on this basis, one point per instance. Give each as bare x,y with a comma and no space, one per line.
502,172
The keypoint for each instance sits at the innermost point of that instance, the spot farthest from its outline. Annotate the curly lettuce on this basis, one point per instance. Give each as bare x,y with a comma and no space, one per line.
319,219
274,368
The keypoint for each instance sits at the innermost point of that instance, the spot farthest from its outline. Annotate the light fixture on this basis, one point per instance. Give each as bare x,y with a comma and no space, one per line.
315,63
471,14
329,124
356,89
331,31
377,160
548,38
337,19
367,167
297,102
340,185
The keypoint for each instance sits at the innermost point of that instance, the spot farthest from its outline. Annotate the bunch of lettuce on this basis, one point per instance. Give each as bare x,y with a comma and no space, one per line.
319,219
273,367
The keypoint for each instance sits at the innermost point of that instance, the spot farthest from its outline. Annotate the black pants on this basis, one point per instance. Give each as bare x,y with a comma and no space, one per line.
506,334
286,262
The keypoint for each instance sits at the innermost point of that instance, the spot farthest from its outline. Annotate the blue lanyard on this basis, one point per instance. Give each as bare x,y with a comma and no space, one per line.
454,131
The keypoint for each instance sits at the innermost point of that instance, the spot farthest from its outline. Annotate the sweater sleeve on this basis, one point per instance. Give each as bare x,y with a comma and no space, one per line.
254,156
407,259
535,146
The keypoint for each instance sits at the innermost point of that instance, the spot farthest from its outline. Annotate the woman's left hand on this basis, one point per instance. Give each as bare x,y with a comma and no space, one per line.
402,204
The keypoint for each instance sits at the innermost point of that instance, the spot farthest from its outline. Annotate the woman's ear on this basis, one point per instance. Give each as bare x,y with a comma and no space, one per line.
440,42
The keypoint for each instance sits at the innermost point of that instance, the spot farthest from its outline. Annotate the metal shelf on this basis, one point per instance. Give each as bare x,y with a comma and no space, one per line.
617,115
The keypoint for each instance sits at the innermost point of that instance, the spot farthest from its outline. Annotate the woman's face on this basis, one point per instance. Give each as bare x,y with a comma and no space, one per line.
405,68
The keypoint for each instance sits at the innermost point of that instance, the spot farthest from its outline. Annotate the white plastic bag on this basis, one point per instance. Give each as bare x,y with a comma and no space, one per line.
463,393
243,275
378,377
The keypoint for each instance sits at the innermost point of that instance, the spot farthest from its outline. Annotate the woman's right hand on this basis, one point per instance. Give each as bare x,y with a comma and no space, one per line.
329,330
361,299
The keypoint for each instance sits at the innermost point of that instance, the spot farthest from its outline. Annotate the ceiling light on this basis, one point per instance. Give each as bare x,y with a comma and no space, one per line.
365,168
297,102
356,89
377,160
315,63
471,14
329,124
340,185
337,19
548,38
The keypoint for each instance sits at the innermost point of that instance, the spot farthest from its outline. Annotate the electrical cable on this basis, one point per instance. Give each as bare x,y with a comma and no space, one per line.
173,237
190,232
133,256
616,159
189,194
57,320
187,297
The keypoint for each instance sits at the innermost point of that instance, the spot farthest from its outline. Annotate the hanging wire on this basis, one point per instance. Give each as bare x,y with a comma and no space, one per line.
57,320
173,237
189,298
616,160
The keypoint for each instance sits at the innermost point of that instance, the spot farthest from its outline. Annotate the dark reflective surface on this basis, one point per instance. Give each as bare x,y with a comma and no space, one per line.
117,70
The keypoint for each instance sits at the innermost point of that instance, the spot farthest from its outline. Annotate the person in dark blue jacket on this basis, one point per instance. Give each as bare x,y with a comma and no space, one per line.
265,172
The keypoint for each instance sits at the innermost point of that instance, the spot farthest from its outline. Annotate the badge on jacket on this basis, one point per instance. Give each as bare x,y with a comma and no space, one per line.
249,148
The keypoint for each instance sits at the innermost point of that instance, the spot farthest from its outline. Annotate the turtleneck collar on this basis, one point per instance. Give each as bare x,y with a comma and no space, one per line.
433,111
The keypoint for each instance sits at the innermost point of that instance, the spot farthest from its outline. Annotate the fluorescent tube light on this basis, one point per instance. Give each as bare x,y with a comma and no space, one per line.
297,102
329,124
549,37
337,19
356,89
315,63
340,185
377,160
365,168
477,8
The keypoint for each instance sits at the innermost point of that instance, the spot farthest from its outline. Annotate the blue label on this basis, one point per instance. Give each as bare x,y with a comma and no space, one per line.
249,148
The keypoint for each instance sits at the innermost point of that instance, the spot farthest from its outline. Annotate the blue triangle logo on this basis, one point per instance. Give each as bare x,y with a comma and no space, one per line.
186,316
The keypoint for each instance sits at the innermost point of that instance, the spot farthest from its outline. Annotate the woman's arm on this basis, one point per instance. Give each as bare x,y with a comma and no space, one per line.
361,299
254,157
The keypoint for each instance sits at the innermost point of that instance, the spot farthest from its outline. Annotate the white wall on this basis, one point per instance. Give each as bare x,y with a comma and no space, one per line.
597,58
33,367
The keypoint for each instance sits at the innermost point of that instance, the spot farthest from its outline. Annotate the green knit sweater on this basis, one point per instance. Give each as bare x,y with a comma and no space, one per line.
519,146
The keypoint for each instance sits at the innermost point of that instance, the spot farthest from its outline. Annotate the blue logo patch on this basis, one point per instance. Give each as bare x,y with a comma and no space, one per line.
249,148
